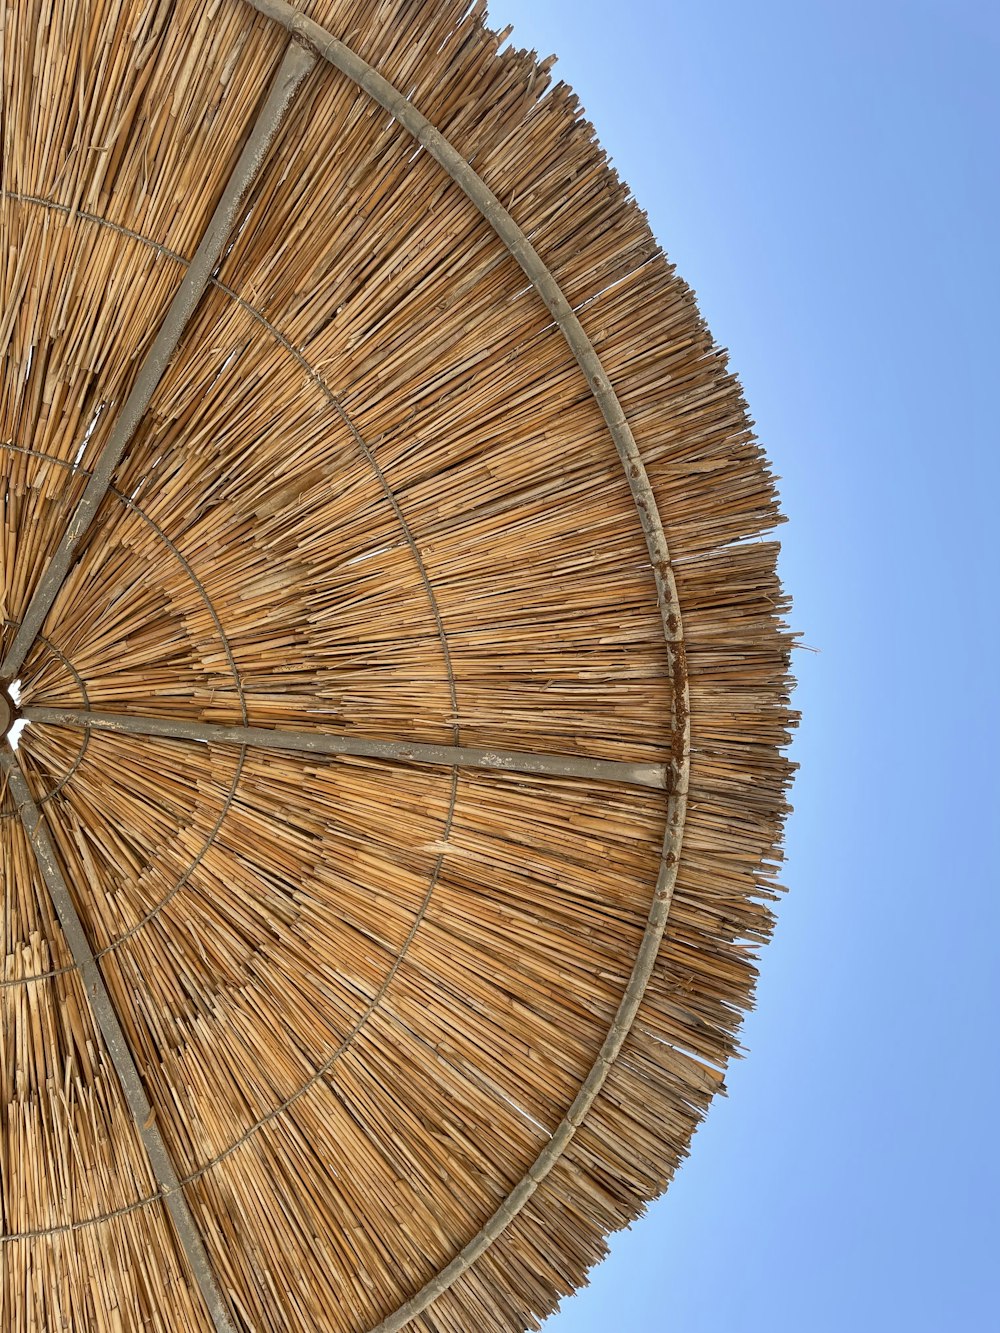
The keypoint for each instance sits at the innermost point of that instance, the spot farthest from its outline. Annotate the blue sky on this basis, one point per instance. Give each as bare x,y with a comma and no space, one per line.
825,175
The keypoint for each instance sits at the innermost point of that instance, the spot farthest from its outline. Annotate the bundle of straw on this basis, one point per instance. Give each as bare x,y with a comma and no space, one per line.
395,821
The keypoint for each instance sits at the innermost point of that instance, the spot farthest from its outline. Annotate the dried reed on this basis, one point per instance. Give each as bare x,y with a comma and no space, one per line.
374,495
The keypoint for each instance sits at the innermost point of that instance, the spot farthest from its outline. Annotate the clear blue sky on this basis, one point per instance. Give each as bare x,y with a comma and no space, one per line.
825,175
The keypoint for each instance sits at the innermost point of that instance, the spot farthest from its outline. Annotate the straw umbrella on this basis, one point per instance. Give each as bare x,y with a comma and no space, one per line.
394,679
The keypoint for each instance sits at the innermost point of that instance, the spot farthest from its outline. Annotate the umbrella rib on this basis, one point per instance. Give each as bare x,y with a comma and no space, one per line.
296,64
321,742
106,1016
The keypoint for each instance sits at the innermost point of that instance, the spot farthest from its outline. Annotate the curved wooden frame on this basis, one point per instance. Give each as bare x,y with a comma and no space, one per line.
326,45
675,777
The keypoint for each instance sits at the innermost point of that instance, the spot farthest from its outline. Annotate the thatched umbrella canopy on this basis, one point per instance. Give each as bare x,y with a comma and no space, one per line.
395,670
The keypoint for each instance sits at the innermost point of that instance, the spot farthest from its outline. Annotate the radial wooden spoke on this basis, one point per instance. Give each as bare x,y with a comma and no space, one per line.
117,1045
319,742
297,63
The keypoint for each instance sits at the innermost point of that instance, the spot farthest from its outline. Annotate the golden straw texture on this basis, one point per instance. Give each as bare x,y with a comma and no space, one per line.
373,495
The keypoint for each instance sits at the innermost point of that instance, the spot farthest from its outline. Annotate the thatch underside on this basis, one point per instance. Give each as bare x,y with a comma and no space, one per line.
373,495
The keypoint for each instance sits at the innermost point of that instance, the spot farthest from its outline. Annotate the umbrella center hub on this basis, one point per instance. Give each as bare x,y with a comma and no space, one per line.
8,712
